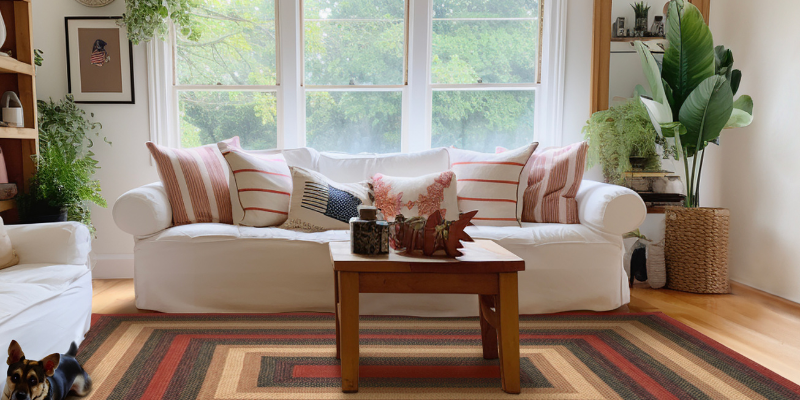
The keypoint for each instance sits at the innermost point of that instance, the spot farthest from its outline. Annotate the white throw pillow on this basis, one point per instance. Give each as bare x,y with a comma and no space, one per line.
263,186
320,204
359,167
489,183
8,257
413,197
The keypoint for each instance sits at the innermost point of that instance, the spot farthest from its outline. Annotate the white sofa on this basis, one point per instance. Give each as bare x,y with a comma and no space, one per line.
46,300
226,268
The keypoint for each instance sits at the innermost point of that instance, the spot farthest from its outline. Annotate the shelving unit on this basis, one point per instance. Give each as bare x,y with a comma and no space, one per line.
18,74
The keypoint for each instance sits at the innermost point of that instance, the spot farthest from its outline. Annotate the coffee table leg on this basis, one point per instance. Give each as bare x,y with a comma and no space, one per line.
488,332
336,310
348,330
507,307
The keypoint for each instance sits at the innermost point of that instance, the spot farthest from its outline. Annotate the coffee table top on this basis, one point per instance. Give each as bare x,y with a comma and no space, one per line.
480,256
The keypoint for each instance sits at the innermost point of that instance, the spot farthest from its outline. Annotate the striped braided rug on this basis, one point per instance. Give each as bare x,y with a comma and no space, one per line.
292,356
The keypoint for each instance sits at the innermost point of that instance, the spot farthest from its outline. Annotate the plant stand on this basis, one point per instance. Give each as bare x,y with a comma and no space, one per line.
696,249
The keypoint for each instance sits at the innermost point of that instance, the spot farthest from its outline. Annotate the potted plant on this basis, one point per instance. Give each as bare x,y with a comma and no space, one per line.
144,19
642,12
63,185
620,135
692,101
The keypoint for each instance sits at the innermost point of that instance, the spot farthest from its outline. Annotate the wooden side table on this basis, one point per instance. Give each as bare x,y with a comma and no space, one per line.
486,269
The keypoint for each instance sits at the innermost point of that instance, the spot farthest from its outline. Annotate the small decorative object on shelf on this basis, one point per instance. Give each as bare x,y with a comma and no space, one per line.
12,110
8,191
431,235
368,235
3,35
642,12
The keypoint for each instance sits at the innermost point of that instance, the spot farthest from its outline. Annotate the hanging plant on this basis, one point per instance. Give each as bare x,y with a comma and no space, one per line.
145,19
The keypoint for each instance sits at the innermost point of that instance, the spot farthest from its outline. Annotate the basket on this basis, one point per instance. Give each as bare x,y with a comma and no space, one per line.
696,249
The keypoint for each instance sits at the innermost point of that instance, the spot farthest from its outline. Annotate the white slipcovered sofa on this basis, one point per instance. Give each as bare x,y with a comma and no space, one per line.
226,268
46,300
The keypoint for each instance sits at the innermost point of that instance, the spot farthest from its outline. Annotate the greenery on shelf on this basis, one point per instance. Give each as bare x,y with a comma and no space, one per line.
616,134
641,9
38,59
693,91
65,164
145,19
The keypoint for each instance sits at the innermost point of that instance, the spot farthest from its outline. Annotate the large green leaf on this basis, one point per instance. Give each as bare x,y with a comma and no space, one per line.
736,79
706,112
742,113
723,61
651,72
660,114
689,59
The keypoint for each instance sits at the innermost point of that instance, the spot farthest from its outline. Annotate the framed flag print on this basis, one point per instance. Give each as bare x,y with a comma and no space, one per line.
99,61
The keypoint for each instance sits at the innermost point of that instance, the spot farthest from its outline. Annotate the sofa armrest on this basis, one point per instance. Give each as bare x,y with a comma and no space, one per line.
610,208
53,243
143,211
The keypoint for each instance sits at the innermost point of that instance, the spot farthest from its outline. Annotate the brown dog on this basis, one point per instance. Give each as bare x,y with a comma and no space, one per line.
51,378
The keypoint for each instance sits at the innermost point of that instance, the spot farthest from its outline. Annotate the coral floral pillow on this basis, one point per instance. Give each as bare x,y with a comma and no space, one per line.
553,183
412,197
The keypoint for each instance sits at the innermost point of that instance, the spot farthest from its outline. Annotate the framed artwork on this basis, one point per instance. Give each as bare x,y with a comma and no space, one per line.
99,61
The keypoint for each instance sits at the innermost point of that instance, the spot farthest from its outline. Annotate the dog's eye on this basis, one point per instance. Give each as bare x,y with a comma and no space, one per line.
15,378
32,381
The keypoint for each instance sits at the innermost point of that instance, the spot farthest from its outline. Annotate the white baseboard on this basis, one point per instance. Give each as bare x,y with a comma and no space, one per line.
112,266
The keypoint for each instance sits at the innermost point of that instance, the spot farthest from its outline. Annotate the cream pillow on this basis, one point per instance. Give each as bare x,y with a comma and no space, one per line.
8,257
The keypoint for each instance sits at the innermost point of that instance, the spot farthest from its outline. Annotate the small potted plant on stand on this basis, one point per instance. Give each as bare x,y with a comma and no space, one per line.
642,13
63,185
693,101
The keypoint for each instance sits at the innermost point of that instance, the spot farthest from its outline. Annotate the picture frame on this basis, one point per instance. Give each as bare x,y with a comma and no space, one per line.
99,61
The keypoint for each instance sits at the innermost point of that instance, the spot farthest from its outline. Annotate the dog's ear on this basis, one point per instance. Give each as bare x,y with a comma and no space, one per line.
15,353
50,363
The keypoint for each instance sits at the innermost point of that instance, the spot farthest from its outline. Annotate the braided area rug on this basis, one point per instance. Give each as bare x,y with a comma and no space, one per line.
292,356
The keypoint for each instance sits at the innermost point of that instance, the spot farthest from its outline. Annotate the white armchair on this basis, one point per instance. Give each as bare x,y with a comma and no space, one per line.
46,300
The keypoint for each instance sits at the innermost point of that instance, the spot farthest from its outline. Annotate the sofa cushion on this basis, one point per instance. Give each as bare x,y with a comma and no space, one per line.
489,183
262,184
196,181
553,183
218,232
348,168
319,204
416,197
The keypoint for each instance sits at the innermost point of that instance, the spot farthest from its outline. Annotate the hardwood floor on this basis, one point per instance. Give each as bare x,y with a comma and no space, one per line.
760,326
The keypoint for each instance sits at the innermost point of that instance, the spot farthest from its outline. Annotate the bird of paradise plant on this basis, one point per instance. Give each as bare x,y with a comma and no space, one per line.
692,91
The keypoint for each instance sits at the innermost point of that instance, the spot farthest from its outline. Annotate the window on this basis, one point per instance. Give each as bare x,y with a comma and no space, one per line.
367,75
354,74
226,74
484,64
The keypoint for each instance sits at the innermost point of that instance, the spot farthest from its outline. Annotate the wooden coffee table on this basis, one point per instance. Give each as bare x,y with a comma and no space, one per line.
486,269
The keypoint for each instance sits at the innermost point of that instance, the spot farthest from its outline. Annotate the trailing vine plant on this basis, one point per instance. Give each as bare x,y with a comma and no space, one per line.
621,132
146,19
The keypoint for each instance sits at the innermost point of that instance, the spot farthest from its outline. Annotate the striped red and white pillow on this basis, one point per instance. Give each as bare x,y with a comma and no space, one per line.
196,181
263,185
553,183
489,183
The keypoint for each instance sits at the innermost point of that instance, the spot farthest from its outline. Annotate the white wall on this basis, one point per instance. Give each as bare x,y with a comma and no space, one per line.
757,172
124,165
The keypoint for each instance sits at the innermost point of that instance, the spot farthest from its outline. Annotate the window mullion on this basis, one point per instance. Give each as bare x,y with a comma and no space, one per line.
291,99
417,101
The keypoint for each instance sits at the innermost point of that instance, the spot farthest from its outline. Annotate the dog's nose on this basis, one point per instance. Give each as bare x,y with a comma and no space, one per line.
21,396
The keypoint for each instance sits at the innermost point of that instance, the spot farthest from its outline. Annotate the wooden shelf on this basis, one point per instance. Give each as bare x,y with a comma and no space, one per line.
18,133
634,39
6,205
9,65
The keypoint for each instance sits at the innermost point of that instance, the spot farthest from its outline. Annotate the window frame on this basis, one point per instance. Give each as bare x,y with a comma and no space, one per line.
417,88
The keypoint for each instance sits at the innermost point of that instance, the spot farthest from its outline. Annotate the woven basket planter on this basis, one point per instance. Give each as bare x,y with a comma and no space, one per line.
696,249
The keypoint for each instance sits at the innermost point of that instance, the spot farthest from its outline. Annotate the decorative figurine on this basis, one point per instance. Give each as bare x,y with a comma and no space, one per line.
431,235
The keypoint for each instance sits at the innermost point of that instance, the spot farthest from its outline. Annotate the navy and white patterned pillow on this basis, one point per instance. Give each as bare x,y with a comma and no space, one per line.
320,204
330,201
